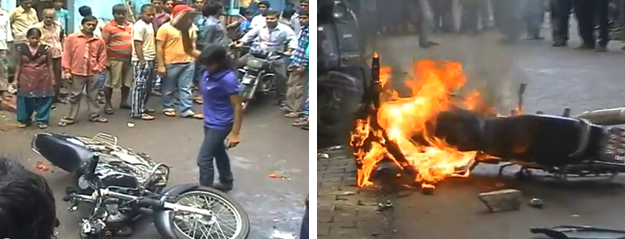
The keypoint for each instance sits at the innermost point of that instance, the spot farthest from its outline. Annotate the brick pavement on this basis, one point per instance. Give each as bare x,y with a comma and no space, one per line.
343,210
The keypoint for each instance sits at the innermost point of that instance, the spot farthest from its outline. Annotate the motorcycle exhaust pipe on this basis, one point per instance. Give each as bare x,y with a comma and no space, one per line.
613,116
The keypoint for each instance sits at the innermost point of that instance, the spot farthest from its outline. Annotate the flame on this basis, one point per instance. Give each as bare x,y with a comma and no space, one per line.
432,86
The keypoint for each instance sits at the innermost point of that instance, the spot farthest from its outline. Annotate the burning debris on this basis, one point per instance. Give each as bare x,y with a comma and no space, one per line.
404,131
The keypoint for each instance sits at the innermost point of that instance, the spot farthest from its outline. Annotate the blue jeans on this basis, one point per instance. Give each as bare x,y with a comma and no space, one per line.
102,79
178,75
303,234
213,151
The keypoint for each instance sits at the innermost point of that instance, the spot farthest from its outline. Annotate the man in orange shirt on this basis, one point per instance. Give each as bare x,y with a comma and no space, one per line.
84,55
117,35
176,67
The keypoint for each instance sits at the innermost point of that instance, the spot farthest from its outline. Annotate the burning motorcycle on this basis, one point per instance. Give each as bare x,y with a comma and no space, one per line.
115,184
436,134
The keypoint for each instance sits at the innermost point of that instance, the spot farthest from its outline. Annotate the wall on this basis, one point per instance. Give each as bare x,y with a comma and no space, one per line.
101,9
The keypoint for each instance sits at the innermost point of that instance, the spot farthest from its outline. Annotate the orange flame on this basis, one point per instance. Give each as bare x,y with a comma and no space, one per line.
432,87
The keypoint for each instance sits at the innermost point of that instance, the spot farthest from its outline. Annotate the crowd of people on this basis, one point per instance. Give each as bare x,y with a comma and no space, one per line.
140,59
514,19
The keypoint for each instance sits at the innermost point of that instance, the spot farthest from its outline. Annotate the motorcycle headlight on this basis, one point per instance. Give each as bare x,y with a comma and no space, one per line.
255,63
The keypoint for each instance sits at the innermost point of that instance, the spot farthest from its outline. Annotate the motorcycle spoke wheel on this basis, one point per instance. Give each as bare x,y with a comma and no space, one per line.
225,223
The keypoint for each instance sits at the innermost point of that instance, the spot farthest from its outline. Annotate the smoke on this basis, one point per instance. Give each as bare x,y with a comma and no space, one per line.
488,63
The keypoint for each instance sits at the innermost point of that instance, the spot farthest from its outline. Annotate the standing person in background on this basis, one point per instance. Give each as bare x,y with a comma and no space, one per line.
303,120
143,62
6,44
162,16
509,19
259,20
197,5
303,7
84,57
21,19
85,11
169,4
285,18
53,36
117,35
470,16
424,19
297,80
62,15
534,18
35,81
588,14
176,68
561,14
213,33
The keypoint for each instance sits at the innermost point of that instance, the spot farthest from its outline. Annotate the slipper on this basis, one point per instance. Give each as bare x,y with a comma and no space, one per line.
98,119
21,126
149,111
169,113
42,125
145,116
66,122
193,115
125,106
109,111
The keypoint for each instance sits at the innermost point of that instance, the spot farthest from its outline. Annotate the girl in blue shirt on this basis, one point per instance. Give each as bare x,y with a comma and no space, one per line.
223,110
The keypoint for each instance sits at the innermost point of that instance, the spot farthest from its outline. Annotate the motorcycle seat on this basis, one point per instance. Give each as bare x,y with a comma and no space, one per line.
61,151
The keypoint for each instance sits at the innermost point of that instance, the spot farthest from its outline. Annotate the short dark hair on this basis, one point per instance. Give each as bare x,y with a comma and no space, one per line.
304,13
27,206
88,19
179,2
248,12
212,8
85,11
146,7
288,13
120,7
271,13
33,32
303,1
215,54
57,1
266,3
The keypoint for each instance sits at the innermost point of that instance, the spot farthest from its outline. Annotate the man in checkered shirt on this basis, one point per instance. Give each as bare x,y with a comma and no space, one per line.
296,92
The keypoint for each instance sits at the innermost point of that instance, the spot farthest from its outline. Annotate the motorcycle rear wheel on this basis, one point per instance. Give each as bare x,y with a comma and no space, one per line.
190,226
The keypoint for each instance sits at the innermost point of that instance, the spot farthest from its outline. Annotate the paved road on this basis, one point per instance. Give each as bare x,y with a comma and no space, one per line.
557,78
269,144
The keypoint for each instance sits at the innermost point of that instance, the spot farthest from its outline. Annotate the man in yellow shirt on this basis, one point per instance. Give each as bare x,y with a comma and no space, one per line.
176,67
21,19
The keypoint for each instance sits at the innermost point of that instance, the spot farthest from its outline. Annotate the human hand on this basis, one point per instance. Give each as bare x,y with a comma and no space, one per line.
232,141
161,70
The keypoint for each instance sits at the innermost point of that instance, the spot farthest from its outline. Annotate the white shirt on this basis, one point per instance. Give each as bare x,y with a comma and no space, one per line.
5,30
257,21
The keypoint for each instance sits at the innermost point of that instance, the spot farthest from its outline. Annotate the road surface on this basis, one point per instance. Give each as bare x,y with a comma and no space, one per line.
269,145
556,78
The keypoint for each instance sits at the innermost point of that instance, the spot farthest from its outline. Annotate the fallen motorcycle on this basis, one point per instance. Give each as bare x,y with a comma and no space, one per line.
563,146
116,184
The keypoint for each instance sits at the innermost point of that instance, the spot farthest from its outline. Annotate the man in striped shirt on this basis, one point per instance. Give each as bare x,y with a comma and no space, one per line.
117,35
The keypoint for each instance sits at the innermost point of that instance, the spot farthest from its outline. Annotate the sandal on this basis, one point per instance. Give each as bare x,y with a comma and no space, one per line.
293,115
125,106
42,125
149,111
145,116
66,121
109,110
98,119
21,125
193,115
169,113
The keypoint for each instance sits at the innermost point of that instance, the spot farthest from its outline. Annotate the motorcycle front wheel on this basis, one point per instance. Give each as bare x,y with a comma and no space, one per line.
229,221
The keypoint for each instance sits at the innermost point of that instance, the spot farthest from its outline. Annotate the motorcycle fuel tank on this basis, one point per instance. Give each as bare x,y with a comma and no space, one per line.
117,175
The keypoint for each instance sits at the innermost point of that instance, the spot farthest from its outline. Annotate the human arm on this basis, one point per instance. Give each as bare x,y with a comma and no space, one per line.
66,59
50,65
250,36
232,88
291,41
138,35
102,57
161,37
18,68
106,37
187,44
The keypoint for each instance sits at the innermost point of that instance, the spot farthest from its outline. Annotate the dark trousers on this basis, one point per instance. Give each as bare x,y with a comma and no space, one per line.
561,13
26,106
470,16
443,15
508,18
213,151
588,14
56,67
305,223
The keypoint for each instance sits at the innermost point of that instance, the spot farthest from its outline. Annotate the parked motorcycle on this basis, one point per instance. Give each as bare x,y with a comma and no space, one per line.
116,184
257,75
